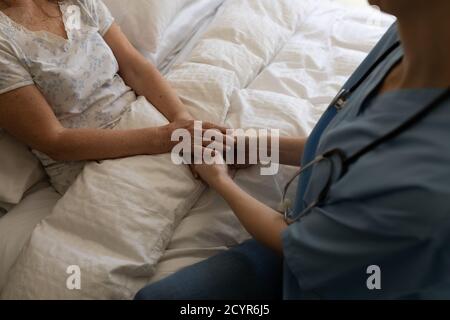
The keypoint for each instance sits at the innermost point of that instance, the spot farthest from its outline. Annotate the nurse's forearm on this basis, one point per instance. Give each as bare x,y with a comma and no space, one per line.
291,150
263,223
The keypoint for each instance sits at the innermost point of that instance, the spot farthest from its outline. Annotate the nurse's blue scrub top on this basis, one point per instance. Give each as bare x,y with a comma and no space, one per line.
392,208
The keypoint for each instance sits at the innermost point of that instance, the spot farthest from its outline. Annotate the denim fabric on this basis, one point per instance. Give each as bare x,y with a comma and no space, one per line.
249,271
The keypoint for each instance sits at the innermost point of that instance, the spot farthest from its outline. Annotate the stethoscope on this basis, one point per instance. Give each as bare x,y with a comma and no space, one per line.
338,102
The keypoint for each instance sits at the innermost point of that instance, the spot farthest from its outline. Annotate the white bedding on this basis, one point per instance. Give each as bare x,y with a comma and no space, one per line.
244,71
17,226
182,33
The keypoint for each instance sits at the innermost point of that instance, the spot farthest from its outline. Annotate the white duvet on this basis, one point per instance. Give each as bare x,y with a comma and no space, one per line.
262,63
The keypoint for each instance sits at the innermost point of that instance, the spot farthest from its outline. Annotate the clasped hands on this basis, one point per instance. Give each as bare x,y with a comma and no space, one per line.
208,150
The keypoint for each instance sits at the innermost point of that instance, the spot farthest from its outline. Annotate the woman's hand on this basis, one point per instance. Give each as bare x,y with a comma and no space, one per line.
185,123
189,125
195,131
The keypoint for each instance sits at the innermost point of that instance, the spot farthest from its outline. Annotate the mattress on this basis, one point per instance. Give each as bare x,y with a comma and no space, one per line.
289,91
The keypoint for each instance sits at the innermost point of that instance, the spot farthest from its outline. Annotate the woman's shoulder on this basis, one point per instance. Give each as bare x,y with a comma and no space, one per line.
88,6
93,12
7,28
8,37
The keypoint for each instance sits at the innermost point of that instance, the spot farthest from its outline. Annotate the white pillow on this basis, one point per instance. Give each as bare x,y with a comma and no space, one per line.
19,169
184,26
145,21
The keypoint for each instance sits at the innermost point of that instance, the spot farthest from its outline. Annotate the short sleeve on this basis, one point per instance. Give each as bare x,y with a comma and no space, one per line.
100,14
13,75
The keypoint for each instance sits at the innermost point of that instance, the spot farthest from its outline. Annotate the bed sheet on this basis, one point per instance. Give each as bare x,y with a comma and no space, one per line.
208,229
18,224
294,90
204,232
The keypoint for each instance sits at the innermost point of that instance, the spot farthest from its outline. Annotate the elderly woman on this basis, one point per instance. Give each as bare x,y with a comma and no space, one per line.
67,76
372,213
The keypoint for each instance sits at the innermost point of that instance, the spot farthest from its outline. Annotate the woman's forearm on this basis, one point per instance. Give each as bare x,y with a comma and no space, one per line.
143,77
263,223
102,144
147,81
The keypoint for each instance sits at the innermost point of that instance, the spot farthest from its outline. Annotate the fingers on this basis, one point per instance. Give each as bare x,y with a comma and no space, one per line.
219,137
212,126
201,155
194,172
206,128
208,135
195,154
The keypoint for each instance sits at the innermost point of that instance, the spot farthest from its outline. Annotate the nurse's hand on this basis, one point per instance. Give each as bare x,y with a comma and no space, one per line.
263,223
213,174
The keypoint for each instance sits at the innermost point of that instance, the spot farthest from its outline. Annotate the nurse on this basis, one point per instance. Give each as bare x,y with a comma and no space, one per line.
372,215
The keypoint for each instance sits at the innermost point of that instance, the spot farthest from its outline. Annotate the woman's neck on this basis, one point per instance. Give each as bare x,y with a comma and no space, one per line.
425,38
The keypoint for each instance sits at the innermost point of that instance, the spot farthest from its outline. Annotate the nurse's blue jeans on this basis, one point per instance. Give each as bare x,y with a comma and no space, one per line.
247,272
